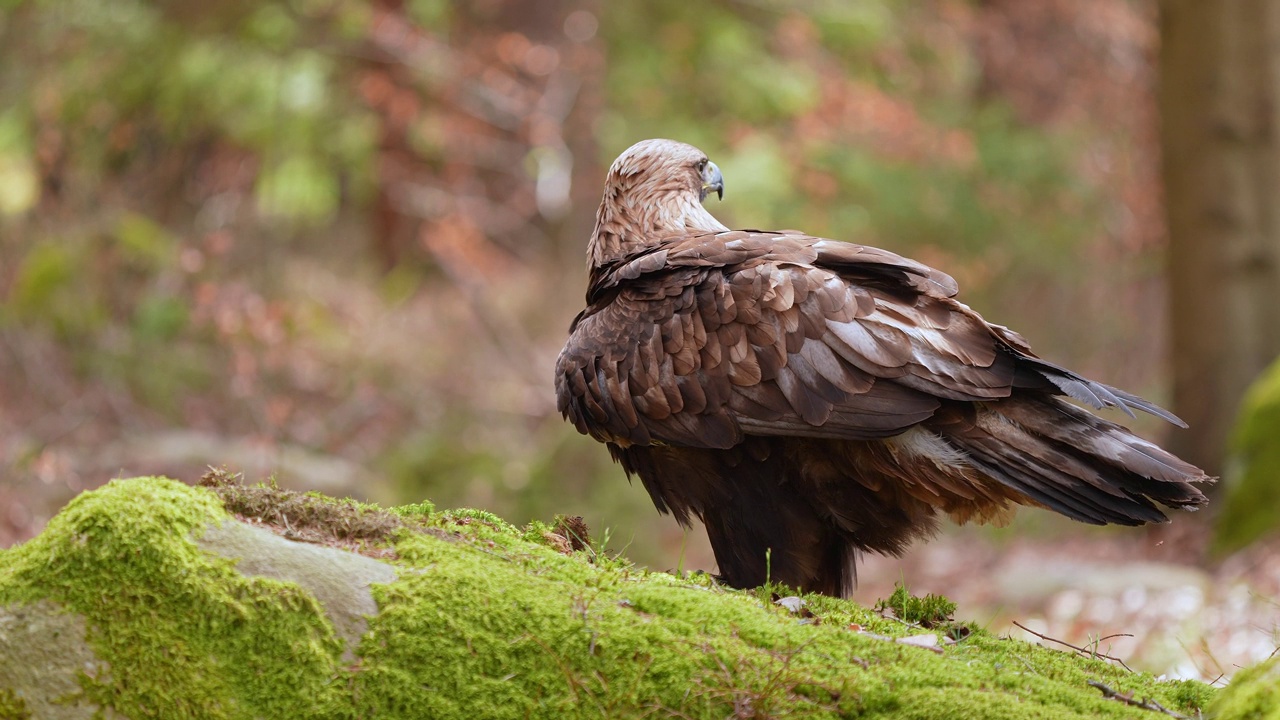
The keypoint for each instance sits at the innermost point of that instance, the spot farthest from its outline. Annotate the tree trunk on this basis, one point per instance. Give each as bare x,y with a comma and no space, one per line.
1219,71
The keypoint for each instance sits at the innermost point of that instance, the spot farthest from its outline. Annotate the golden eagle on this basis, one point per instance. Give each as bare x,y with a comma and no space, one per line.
809,399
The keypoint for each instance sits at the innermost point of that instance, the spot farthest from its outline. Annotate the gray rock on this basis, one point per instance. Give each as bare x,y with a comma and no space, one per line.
42,652
338,579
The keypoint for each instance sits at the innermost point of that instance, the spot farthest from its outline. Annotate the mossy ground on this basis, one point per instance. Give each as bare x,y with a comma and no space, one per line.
487,620
1254,694
928,611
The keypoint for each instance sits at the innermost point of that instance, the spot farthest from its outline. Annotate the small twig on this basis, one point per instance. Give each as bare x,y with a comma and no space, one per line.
1083,651
1128,699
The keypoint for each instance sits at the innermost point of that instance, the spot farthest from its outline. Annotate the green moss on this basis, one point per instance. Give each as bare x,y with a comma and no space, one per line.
1191,694
183,633
927,611
1252,507
468,516
1254,694
481,622
12,707
525,632
422,510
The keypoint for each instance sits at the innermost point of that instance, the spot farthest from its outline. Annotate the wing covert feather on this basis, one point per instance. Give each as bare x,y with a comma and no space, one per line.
776,334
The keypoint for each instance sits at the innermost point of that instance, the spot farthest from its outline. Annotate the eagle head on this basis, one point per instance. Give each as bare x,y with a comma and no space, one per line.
661,166
654,190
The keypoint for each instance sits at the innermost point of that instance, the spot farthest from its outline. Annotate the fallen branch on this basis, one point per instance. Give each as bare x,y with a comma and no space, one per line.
1128,699
1083,651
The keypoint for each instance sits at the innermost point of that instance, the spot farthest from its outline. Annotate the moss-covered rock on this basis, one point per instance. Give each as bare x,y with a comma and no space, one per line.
46,649
1252,506
470,617
1253,694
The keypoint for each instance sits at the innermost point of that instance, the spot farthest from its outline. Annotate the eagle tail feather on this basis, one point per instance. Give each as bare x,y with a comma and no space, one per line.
1038,374
1075,463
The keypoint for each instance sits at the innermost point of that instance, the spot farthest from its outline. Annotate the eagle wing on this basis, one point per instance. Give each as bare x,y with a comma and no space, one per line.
702,339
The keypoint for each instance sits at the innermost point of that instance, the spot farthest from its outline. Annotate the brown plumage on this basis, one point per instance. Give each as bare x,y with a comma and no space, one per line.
809,399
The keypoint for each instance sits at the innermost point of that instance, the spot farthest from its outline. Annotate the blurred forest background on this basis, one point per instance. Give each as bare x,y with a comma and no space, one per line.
341,242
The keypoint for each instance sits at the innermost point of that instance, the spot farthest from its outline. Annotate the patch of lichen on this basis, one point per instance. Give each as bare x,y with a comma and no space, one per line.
487,621
184,635
1254,694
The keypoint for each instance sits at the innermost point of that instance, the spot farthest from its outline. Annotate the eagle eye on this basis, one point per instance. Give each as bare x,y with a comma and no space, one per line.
702,164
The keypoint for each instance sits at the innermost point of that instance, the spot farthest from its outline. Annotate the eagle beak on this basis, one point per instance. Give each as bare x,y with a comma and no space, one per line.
712,181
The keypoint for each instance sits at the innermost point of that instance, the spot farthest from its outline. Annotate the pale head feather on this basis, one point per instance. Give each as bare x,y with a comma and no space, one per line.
653,191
